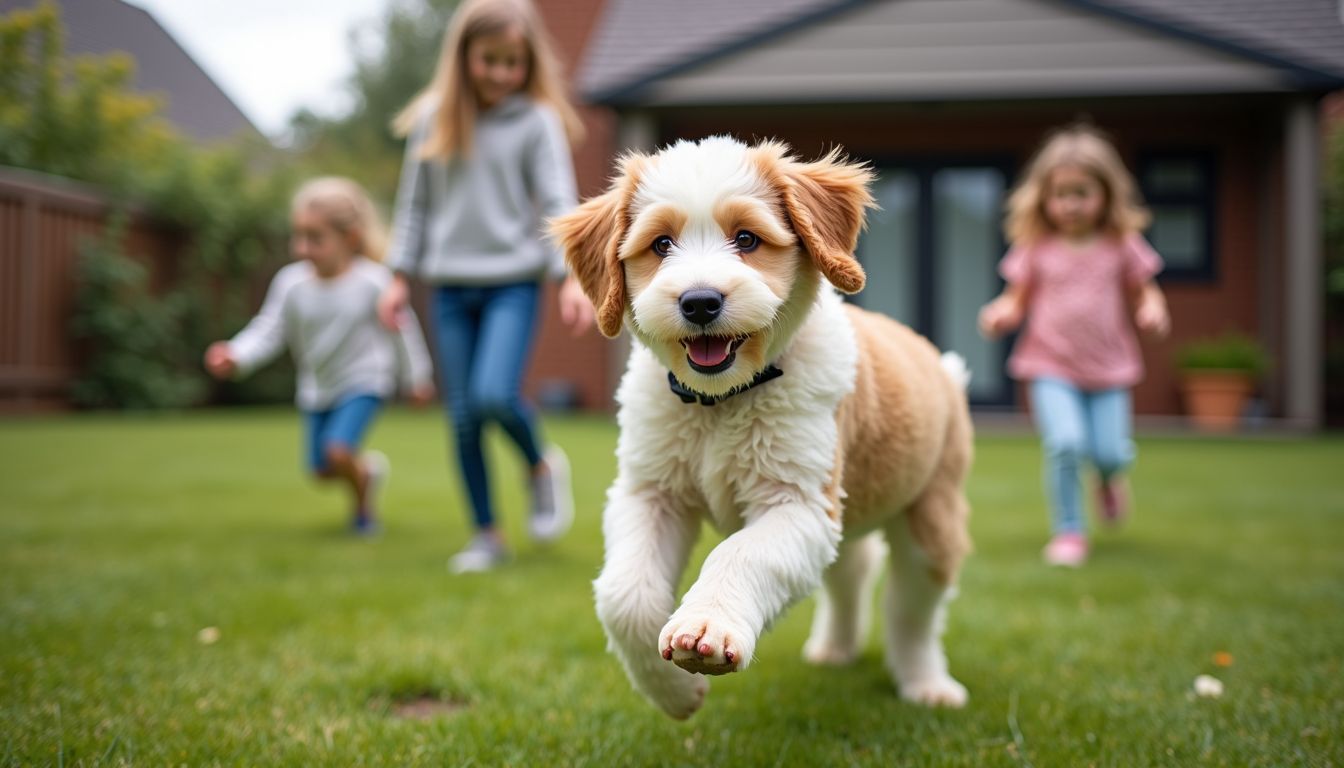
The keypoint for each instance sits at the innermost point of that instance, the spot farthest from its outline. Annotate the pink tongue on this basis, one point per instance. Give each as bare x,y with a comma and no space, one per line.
709,350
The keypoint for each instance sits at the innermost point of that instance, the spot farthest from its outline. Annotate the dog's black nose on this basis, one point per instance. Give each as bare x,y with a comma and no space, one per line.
701,305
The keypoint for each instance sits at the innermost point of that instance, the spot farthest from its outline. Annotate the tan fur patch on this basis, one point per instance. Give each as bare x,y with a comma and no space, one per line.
649,225
591,236
754,215
826,202
640,270
835,489
778,267
908,441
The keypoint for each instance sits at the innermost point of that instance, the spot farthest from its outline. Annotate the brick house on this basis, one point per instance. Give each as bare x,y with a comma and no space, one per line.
1215,105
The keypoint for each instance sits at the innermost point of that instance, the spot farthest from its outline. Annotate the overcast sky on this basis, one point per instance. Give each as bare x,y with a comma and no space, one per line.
271,56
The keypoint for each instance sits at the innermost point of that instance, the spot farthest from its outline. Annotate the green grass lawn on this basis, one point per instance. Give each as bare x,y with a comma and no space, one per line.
121,539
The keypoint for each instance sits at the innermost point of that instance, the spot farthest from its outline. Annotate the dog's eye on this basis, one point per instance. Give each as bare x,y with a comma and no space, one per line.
745,241
662,246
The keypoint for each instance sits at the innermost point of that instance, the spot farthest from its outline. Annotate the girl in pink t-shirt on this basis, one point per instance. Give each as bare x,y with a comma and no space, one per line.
1082,275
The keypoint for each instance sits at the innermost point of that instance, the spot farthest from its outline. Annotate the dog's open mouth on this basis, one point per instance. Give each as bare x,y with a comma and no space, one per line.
712,354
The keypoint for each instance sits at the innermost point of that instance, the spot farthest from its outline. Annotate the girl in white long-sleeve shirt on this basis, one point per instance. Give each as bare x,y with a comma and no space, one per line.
323,307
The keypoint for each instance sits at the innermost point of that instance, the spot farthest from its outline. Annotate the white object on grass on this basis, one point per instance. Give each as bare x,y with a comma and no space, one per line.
1208,686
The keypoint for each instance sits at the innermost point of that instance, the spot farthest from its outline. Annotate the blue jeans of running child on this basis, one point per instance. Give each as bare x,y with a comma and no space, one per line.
484,338
1077,426
340,426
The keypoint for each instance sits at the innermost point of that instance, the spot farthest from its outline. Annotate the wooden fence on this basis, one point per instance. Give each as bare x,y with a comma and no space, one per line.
43,222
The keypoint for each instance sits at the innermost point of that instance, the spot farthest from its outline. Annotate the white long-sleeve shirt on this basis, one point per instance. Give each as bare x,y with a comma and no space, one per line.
331,328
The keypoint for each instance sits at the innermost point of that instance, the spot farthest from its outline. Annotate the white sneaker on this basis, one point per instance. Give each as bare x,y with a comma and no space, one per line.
552,498
481,554
378,468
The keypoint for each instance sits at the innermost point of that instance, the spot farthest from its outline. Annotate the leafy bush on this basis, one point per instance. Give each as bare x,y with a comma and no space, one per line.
134,350
1230,352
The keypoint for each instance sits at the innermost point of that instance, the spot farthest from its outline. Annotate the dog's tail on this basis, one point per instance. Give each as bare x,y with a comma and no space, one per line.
955,365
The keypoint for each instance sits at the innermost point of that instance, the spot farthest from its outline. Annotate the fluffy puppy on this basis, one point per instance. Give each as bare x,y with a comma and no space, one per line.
803,428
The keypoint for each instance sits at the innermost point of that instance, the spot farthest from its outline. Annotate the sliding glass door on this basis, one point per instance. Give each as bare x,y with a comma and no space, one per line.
931,254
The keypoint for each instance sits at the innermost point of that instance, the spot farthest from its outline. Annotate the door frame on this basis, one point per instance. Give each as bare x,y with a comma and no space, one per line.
923,167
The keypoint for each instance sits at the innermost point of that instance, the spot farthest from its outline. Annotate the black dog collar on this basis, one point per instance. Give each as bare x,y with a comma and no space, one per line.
691,396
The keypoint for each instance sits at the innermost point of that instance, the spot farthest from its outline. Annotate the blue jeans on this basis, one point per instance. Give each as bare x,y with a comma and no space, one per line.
343,425
1077,425
484,337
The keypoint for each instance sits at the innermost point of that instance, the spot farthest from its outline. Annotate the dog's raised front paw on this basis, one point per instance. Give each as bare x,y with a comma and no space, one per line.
708,646
939,691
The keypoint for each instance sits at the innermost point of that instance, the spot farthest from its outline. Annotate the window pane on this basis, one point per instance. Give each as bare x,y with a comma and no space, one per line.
967,205
1174,177
887,249
1178,235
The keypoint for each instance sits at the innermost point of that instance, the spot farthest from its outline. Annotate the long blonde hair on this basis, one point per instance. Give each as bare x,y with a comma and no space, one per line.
347,208
1085,147
450,92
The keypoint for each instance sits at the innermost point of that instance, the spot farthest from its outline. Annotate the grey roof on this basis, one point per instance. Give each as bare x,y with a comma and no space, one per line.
639,42
1307,35
193,101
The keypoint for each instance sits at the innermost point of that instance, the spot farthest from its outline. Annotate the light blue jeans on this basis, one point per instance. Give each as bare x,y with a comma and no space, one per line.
1078,425
484,337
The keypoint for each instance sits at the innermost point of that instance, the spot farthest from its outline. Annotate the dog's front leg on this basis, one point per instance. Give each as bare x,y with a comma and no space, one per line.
746,582
648,541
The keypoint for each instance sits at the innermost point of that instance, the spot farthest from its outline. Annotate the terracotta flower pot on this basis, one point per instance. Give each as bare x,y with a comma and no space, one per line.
1215,399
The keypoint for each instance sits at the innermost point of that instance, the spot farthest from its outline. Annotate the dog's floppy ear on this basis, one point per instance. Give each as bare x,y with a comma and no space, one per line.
591,238
588,236
827,202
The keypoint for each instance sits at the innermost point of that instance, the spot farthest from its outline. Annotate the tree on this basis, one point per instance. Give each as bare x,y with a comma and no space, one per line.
73,117
392,64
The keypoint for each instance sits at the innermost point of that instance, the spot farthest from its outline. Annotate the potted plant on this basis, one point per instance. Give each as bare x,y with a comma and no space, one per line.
1218,376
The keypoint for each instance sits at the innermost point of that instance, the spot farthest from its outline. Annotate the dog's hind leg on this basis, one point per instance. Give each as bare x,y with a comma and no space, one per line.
647,544
845,602
924,565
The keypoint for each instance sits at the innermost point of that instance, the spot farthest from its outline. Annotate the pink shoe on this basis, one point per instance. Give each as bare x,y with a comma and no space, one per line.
1066,549
1113,501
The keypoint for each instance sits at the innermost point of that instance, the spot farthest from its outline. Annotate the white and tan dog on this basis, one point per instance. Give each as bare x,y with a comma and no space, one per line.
757,399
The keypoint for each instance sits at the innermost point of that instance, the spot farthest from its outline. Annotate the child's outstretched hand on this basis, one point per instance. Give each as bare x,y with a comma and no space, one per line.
421,395
575,309
1000,316
393,300
1151,317
219,360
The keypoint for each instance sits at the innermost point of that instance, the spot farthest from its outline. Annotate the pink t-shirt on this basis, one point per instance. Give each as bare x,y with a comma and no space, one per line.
1078,325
